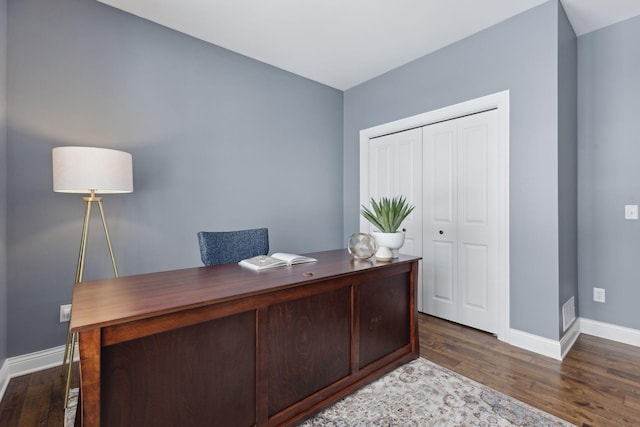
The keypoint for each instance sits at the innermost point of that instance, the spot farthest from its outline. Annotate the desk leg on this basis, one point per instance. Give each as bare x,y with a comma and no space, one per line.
89,344
262,378
413,309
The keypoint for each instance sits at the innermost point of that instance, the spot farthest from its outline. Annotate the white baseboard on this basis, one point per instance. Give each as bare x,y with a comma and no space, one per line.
537,344
559,349
569,338
611,332
32,362
4,378
37,361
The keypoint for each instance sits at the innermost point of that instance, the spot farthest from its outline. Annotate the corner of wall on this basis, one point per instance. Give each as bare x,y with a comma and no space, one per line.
567,162
4,378
3,190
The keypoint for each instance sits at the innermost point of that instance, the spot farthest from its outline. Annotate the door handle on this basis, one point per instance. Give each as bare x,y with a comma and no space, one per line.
441,232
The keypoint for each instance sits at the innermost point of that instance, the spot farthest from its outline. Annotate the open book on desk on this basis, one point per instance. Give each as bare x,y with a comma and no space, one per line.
262,262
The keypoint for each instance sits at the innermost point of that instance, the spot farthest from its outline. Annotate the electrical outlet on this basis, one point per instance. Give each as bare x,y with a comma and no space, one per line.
598,295
65,313
630,211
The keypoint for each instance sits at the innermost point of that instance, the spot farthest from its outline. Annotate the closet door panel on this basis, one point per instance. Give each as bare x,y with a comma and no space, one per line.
439,219
477,225
460,184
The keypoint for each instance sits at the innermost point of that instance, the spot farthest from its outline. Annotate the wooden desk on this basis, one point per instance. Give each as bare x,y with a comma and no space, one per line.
229,346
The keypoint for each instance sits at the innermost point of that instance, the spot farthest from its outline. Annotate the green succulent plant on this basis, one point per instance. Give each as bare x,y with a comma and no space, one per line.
387,214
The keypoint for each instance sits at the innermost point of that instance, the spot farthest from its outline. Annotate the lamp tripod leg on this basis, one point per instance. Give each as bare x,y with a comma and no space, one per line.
66,352
69,349
71,336
83,240
106,233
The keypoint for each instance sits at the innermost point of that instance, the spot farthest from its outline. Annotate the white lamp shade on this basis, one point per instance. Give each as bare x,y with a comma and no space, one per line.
83,169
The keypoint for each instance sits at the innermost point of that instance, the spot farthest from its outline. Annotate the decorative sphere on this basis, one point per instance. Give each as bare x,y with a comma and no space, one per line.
362,246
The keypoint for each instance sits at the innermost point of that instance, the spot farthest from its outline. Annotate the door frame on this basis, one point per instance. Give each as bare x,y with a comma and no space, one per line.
499,101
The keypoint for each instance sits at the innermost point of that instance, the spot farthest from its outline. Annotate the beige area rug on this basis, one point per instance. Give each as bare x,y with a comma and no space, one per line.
423,394
420,394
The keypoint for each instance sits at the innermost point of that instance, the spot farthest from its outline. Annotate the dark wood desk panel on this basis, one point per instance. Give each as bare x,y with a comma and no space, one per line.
226,345
308,346
182,375
385,321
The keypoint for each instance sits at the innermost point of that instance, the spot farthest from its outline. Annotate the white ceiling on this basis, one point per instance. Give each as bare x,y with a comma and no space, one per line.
343,43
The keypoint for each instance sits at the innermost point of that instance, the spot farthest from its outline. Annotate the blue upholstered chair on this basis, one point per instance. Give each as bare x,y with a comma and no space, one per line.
223,247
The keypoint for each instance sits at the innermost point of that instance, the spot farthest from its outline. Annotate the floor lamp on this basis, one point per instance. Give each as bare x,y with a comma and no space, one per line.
89,170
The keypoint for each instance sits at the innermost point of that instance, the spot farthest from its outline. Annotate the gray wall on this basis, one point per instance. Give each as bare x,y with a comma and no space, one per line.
219,142
211,131
609,176
519,54
3,181
567,162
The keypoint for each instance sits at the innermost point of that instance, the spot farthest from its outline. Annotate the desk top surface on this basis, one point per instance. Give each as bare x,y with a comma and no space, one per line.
114,301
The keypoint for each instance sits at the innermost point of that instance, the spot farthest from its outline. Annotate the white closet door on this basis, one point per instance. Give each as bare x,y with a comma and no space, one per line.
460,182
440,181
395,168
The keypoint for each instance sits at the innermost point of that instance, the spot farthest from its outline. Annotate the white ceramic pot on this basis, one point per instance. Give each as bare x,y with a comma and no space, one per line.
393,241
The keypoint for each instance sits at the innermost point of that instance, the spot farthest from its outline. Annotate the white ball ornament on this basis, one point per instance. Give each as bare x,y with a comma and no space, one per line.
362,246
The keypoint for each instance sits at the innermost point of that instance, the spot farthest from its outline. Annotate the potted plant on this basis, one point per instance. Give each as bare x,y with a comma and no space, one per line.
387,215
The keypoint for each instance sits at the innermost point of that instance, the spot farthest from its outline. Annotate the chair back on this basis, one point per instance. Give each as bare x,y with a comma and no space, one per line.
223,247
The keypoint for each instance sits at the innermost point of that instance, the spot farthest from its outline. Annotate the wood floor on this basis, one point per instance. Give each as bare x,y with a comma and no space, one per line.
597,384
35,399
